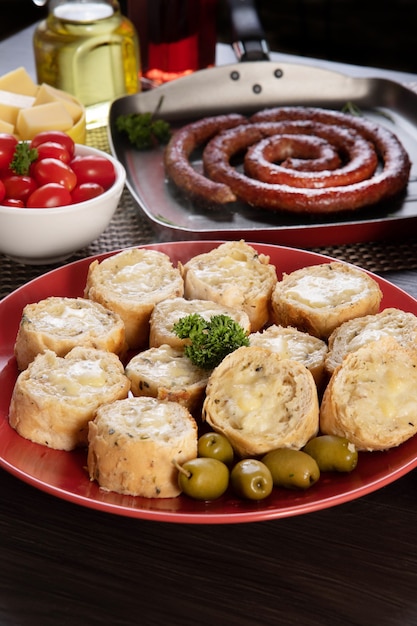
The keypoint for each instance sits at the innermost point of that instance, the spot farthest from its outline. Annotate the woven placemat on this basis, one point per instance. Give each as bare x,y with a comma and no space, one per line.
130,227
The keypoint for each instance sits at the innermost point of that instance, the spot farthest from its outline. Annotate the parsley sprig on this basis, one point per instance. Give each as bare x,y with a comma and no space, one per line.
23,158
211,340
143,130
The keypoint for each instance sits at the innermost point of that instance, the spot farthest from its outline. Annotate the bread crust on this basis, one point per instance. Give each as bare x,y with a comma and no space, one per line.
60,324
165,314
319,298
133,443
167,374
131,283
291,343
233,274
370,398
54,398
355,333
261,402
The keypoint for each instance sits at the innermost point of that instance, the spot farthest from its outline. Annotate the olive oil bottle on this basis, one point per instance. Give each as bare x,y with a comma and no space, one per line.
89,49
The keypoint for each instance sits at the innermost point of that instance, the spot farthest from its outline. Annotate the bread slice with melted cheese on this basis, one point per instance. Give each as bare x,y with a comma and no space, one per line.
55,397
165,314
167,374
355,333
130,283
60,324
371,397
291,343
261,402
235,275
133,444
319,298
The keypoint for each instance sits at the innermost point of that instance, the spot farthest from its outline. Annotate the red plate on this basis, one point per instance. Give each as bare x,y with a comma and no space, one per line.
62,474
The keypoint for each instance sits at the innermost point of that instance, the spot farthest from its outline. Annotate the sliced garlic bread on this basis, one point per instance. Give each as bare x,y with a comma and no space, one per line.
131,283
133,444
234,275
371,397
261,402
319,298
55,397
60,324
167,374
165,314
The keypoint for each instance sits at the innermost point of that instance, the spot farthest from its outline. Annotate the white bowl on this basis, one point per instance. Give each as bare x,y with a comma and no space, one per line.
38,236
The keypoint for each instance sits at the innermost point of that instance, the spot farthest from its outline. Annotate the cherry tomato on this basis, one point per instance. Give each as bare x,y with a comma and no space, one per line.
57,136
2,191
54,171
13,202
54,150
86,191
19,186
94,169
8,144
49,196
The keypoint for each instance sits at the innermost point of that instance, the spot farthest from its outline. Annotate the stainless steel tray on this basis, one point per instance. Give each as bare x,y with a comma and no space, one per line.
245,88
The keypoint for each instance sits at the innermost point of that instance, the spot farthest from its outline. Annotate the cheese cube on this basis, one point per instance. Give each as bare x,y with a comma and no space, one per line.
50,116
46,94
18,81
11,104
5,127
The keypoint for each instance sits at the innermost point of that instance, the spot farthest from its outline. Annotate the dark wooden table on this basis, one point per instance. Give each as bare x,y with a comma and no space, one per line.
62,564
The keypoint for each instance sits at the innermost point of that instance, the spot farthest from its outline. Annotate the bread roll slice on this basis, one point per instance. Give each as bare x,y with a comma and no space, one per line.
235,275
319,298
371,397
167,374
55,397
133,443
353,334
165,314
291,343
131,283
60,324
261,402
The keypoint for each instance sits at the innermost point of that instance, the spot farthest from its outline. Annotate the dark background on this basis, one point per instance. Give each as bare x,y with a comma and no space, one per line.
363,32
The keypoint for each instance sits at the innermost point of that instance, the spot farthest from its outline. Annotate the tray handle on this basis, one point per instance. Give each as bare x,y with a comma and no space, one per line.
249,42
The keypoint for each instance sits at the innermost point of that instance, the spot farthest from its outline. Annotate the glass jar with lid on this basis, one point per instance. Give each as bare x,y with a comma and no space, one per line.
89,49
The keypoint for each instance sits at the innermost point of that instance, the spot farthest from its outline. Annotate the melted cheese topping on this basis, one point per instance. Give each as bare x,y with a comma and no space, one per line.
384,391
257,402
145,418
291,344
165,366
137,274
330,290
234,269
67,317
77,378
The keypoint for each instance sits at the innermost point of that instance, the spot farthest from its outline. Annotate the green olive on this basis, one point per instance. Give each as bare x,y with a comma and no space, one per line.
203,478
251,479
292,469
332,453
215,446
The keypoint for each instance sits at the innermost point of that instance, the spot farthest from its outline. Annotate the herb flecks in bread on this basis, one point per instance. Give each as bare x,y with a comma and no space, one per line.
60,324
261,402
131,283
167,374
134,443
166,313
356,333
233,274
55,397
371,397
319,298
